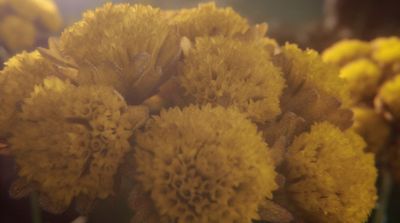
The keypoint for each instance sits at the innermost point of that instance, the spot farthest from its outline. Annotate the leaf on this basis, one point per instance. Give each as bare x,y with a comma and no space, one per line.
272,212
158,70
55,55
255,32
288,125
20,188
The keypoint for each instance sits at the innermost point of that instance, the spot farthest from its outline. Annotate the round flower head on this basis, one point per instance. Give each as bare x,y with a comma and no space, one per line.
386,50
208,20
132,48
347,50
22,20
372,127
43,12
363,77
390,96
329,177
17,33
204,164
70,141
17,80
228,72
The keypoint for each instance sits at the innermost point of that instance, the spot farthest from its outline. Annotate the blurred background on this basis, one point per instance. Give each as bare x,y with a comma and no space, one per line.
310,23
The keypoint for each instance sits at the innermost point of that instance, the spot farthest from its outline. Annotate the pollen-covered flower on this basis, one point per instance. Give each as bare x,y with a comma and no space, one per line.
204,164
208,20
329,177
23,21
131,48
69,141
213,72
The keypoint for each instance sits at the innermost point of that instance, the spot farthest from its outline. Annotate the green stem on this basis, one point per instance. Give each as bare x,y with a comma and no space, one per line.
384,196
35,210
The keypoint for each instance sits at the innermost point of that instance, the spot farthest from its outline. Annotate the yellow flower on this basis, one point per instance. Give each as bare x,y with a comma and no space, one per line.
386,50
219,169
329,177
69,141
131,48
345,51
23,20
390,96
208,20
44,12
17,33
17,79
219,90
374,81
362,76
372,127
213,72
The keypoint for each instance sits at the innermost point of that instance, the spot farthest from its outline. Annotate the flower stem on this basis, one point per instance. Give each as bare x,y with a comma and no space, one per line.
35,210
384,196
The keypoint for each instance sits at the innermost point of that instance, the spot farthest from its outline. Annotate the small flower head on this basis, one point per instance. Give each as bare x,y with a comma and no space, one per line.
386,50
213,72
208,20
220,168
390,96
329,177
17,80
21,22
345,51
363,77
43,12
17,33
372,127
131,48
70,140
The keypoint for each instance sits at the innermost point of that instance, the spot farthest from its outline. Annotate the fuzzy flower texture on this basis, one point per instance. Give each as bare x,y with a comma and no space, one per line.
372,73
206,117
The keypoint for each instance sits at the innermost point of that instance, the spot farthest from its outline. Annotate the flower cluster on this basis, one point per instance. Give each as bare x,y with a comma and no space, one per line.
315,184
372,72
69,141
213,73
220,168
23,22
242,129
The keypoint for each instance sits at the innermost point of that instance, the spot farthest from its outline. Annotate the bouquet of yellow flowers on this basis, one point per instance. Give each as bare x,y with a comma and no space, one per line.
205,116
